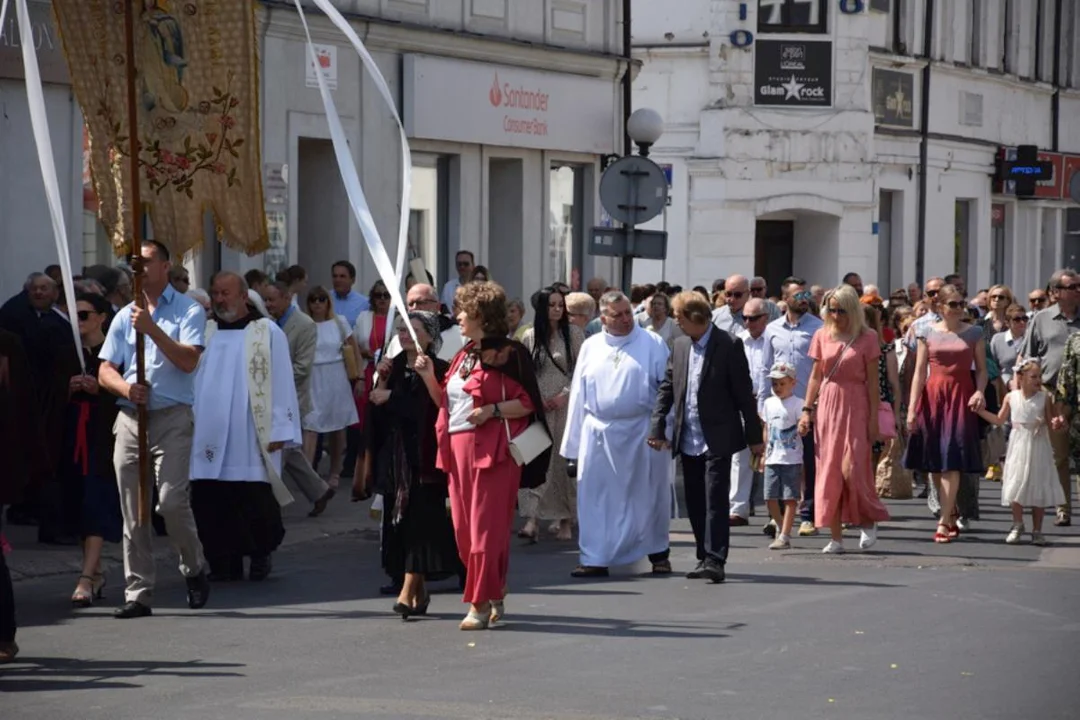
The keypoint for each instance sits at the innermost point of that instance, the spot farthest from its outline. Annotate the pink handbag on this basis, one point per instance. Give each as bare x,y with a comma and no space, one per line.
886,421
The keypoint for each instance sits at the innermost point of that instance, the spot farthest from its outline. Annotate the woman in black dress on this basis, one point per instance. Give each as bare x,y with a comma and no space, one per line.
418,537
91,501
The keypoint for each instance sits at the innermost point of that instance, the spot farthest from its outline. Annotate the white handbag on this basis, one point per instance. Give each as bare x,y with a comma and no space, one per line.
527,446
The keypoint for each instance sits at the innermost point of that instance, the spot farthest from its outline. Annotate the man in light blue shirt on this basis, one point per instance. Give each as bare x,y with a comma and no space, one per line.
347,302
173,328
787,340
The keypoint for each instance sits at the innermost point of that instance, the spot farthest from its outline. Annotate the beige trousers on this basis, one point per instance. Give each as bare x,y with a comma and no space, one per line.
169,433
295,467
1059,441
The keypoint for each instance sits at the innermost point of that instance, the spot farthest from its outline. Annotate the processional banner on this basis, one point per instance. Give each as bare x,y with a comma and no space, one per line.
198,116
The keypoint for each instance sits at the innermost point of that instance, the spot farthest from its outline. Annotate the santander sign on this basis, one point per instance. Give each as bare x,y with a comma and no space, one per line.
515,100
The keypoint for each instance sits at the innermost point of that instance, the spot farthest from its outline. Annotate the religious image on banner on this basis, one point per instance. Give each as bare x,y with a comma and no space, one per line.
198,104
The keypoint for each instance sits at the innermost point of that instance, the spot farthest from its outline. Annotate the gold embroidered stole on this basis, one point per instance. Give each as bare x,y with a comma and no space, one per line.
260,399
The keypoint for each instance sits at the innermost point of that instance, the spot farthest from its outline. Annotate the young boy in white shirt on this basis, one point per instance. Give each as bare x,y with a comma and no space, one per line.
783,452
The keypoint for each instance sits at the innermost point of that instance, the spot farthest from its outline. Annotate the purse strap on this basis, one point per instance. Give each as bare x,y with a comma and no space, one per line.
506,423
839,359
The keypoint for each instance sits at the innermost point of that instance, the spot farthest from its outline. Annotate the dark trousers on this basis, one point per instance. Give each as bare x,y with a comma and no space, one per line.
352,450
707,483
809,475
7,602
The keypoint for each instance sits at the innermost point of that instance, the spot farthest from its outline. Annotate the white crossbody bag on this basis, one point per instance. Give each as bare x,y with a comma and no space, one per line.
527,446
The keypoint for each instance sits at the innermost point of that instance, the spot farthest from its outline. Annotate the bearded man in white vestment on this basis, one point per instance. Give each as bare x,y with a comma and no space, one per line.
246,412
624,490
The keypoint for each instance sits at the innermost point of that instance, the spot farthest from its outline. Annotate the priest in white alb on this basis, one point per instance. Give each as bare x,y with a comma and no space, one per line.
246,411
624,489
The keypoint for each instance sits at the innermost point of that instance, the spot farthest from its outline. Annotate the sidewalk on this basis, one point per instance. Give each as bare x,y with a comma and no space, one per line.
29,559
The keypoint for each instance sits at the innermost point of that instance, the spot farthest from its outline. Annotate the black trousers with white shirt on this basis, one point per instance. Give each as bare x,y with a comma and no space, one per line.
707,484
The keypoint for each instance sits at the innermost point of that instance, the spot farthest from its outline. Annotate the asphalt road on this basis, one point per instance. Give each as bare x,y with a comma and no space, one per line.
977,629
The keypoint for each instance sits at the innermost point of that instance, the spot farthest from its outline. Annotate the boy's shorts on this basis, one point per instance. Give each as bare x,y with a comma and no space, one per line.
782,482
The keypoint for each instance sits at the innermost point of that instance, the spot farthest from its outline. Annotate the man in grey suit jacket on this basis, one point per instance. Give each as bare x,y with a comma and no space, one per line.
709,387
302,334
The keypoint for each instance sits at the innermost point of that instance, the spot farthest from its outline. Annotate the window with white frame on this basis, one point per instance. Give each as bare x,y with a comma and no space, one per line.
793,16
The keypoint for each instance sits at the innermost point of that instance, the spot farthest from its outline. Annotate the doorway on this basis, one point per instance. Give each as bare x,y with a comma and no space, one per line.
322,210
774,250
506,198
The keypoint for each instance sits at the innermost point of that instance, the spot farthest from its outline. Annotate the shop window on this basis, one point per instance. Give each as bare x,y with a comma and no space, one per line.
566,219
792,16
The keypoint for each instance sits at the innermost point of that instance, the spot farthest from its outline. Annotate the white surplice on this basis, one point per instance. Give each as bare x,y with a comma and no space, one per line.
624,487
225,444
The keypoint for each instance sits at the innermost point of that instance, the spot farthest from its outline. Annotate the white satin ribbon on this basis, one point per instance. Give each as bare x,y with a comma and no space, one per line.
392,276
39,120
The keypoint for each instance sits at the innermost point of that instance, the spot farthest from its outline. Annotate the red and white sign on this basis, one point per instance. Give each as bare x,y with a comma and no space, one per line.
473,102
327,59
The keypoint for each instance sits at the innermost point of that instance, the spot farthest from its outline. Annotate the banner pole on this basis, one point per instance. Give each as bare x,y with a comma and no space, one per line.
136,251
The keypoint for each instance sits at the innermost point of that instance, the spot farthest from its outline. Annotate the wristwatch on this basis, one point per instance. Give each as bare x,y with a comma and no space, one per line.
495,412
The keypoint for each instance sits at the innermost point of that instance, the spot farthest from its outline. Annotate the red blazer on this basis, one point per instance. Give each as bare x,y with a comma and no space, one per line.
490,445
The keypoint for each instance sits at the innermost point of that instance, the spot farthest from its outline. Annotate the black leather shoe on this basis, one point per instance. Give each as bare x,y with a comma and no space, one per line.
198,590
713,572
695,574
261,566
132,609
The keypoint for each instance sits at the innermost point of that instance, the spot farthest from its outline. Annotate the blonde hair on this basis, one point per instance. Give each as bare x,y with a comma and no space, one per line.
1008,291
690,306
580,303
846,299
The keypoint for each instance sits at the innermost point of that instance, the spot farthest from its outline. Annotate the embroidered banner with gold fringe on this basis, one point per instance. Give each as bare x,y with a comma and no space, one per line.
198,102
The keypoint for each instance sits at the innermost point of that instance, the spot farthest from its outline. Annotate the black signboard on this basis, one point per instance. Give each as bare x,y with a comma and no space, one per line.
793,73
792,16
893,94
881,5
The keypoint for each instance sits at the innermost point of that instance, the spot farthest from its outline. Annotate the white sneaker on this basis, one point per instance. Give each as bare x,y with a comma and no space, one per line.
1016,535
868,537
833,548
807,529
1037,538
963,524
782,542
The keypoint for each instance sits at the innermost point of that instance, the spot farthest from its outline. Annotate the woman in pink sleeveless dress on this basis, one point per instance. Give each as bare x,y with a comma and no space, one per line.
844,386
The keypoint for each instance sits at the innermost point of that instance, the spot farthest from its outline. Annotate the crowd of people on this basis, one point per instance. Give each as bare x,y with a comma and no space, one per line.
811,403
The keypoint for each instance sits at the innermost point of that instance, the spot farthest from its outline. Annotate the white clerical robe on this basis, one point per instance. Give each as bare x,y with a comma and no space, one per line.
624,487
225,444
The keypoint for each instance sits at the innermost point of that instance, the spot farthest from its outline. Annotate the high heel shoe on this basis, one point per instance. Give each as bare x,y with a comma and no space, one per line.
403,610
422,607
98,585
82,598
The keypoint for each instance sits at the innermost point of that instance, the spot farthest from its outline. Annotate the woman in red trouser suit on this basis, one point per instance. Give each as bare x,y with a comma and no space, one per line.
490,387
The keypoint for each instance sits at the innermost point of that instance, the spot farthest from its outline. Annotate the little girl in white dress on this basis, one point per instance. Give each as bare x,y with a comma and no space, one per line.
1030,477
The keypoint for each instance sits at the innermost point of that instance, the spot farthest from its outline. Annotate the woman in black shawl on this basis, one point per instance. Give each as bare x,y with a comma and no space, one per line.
418,537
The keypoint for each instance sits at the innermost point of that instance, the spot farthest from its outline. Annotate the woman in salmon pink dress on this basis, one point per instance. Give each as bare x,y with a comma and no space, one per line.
842,400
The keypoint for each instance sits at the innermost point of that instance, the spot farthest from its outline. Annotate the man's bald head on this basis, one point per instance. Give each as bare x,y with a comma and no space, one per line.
756,316
229,292
736,291
422,296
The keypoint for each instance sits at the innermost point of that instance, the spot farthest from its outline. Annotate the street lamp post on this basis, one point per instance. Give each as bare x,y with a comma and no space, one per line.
634,190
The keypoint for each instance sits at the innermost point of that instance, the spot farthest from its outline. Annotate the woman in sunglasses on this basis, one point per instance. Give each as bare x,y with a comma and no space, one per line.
945,395
841,401
371,339
332,406
90,501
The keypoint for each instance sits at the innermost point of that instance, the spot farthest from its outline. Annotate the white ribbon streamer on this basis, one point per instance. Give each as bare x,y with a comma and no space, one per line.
392,276
39,120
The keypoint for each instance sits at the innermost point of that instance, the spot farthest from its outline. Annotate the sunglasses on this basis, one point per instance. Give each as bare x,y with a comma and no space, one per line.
932,293
954,304
1018,319
1063,288
735,295
1037,300
380,296
84,315
802,296
319,300
757,289
1000,297
837,311
752,318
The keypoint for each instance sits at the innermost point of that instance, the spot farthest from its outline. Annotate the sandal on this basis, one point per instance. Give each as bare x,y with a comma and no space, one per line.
662,568
83,598
589,571
942,538
475,621
954,531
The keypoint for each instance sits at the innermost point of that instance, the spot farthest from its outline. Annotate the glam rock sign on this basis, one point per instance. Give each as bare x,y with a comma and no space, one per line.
198,106
793,73
464,101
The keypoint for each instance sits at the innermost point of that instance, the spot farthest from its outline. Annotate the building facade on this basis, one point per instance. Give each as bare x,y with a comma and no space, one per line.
815,138
509,106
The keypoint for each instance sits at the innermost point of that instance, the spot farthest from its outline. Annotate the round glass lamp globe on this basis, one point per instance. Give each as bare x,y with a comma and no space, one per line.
645,126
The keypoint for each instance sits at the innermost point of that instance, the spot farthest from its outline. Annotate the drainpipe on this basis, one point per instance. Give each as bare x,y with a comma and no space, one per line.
1055,99
924,140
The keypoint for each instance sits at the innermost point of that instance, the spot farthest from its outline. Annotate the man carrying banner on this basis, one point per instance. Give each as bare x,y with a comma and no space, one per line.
245,413
173,326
